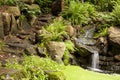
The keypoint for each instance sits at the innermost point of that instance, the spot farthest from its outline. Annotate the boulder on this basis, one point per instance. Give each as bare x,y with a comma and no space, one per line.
85,46
7,24
114,36
56,49
13,10
57,7
70,30
117,57
114,40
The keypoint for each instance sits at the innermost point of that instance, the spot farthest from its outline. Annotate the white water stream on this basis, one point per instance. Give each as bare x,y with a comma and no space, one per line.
95,60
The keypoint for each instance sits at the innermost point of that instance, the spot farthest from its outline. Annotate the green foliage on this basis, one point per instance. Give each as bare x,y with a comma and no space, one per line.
56,76
34,68
69,48
101,32
8,2
103,5
116,14
44,5
54,31
79,13
26,10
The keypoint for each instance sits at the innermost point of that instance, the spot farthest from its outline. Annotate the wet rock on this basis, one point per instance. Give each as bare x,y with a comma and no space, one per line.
117,57
106,63
86,48
57,7
105,58
56,49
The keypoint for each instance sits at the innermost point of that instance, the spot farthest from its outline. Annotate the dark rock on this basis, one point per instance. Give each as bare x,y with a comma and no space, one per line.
41,52
117,57
43,20
31,50
57,7
105,58
85,49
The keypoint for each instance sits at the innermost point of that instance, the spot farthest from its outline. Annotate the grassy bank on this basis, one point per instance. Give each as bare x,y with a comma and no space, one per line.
77,73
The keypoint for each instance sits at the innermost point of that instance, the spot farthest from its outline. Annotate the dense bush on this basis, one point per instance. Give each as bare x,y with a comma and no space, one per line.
103,5
79,13
116,14
54,31
33,68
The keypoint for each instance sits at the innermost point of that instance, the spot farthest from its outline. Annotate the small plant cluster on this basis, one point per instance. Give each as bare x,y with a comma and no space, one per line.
33,68
79,13
8,2
26,10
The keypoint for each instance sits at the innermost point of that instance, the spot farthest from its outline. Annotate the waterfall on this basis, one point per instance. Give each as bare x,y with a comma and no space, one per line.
95,60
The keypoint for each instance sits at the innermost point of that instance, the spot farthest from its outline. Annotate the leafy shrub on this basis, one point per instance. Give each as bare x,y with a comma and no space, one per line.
79,13
34,68
55,31
116,14
69,48
103,5
24,8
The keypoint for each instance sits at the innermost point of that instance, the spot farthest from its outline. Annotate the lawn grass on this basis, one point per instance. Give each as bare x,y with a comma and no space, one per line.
77,73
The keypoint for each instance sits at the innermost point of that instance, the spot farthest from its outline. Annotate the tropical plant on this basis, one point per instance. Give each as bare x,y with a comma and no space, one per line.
79,13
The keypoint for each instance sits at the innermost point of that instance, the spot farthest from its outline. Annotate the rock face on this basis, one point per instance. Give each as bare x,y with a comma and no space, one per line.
85,46
57,7
56,49
13,10
114,35
7,24
114,40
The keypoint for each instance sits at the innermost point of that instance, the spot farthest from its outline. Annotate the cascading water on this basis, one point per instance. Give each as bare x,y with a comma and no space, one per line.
95,60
